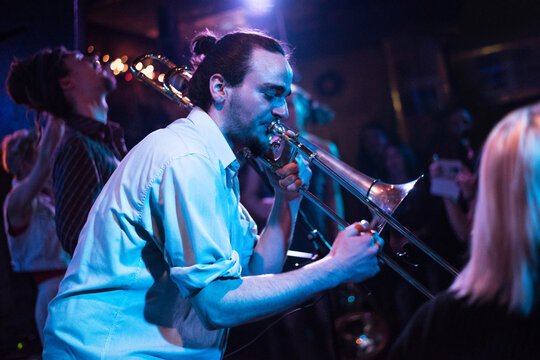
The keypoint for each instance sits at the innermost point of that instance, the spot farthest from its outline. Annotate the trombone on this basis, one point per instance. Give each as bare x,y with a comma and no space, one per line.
381,198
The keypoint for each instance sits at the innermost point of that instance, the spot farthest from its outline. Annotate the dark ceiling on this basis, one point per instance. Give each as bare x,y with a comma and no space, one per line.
313,27
316,27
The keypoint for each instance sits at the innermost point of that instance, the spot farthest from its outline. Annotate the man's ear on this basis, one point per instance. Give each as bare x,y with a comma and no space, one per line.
218,89
65,83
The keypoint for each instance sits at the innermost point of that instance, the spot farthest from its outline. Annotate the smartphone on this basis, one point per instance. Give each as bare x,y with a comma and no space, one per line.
444,183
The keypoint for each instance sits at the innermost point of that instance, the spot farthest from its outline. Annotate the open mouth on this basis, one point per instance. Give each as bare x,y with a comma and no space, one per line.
96,64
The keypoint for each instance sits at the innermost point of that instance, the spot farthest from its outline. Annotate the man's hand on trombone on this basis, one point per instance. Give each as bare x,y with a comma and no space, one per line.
355,251
288,179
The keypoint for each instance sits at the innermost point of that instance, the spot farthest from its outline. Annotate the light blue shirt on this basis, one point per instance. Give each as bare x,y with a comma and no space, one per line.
167,223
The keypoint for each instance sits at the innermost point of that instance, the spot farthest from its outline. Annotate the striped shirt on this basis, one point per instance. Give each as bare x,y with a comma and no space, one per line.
84,161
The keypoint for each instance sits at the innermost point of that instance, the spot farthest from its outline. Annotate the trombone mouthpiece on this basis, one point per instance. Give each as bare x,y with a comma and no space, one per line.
274,132
276,128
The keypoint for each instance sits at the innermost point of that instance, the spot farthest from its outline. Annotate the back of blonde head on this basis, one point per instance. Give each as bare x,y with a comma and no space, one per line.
503,265
16,148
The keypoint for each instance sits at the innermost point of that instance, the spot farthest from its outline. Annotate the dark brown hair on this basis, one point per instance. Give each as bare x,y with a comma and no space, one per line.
34,82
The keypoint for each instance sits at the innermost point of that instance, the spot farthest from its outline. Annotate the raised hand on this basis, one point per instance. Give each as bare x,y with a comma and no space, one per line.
52,133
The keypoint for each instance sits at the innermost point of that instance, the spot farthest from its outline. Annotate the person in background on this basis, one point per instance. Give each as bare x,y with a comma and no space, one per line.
304,113
401,166
453,181
491,311
371,160
72,87
375,139
454,143
29,212
460,210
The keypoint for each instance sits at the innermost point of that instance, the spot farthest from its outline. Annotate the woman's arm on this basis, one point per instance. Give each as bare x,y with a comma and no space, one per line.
19,205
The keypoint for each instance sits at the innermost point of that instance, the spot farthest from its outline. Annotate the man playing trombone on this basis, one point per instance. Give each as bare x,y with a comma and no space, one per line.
169,258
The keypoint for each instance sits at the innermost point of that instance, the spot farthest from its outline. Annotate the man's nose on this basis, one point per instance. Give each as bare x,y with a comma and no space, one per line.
281,112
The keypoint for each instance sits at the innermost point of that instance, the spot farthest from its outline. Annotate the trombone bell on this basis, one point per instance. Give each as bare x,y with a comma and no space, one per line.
385,196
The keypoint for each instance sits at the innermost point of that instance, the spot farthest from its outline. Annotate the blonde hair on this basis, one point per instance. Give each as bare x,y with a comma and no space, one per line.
503,265
16,148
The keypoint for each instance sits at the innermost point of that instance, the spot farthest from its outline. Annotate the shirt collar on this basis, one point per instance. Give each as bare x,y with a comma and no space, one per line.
88,126
110,132
216,140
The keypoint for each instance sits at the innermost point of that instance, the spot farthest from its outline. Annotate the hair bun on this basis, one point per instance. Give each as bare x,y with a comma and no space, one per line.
33,82
17,81
203,43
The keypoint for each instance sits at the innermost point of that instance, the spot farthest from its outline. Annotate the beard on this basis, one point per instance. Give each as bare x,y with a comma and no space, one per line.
246,133
256,147
253,143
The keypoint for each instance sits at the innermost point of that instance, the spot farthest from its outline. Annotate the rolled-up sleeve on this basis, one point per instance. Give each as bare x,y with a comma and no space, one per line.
189,217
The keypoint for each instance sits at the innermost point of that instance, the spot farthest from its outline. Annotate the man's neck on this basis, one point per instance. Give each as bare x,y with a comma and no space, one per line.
218,117
94,109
